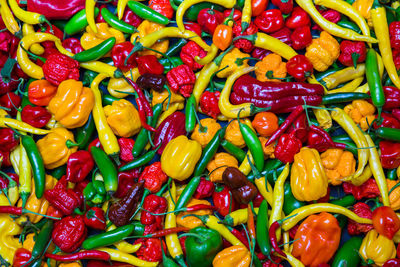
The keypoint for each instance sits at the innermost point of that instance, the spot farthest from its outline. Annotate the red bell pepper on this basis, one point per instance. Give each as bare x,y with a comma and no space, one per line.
369,189
352,53
73,45
301,37
390,154
209,103
150,249
153,204
59,67
364,211
385,221
126,180
56,9
8,139
285,6
394,33
205,189
131,18
243,44
153,177
79,165
36,116
21,257
209,19
182,79
126,145
10,101
270,21
163,7
95,218
62,198
188,53
149,64
69,233
330,15
288,145
120,52
223,200
297,19
299,67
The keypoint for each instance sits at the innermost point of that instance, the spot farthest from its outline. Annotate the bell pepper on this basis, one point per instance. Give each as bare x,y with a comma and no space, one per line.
10,101
297,19
364,211
352,53
390,154
243,190
209,19
270,67
223,200
385,221
209,103
153,204
377,249
182,79
301,37
323,51
308,179
299,67
54,148
90,39
202,245
123,118
40,92
72,104
175,161
149,64
35,116
338,164
189,52
217,166
205,131
233,256
150,250
62,233
191,221
8,140
173,126
231,62
205,189
288,145
59,67
120,53
361,112
317,238
270,21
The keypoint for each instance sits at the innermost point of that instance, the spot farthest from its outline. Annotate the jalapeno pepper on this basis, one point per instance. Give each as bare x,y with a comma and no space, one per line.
96,52
187,193
42,240
237,152
374,81
147,13
190,112
146,158
114,22
107,169
388,133
345,201
78,22
343,97
261,229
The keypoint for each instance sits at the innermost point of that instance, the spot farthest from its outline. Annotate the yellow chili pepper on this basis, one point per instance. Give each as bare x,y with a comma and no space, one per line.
233,256
8,18
265,189
238,217
123,118
246,15
92,38
145,29
344,75
21,126
123,245
35,48
323,117
338,164
106,135
25,175
120,256
349,87
377,248
212,53
286,241
303,212
101,67
89,10
276,46
26,16
245,166
117,86
364,8
121,5
293,261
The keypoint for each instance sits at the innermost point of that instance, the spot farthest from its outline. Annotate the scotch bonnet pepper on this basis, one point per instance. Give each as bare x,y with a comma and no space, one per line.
59,67
62,236
377,248
123,118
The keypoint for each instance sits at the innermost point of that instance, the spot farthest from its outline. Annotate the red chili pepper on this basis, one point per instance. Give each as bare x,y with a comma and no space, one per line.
330,15
153,204
8,43
53,212
194,27
36,116
288,145
73,45
4,182
272,237
392,263
131,18
319,139
8,139
189,52
56,9
97,263
149,64
250,224
389,121
182,79
369,189
241,235
298,18
205,189
394,33
153,177
126,145
243,44
59,67
285,6
94,218
223,200
6,158
299,67
8,84
21,257
299,127
10,101
11,210
62,198
237,14
81,255
209,103
385,221
209,19
270,21
120,52
125,181
163,7
390,154
62,236
79,165
352,53
150,249
301,37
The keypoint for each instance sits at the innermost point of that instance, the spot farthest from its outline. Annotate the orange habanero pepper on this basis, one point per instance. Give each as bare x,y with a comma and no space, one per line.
40,92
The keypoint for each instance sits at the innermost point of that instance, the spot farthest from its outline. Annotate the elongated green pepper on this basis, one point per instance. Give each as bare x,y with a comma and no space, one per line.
374,81
96,52
107,169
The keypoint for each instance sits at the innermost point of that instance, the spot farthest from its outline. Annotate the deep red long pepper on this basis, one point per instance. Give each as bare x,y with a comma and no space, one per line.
11,210
200,207
274,241
285,125
165,232
323,133
82,255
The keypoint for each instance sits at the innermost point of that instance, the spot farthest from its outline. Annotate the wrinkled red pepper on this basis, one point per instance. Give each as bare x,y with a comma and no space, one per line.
120,52
352,53
299,67
154,204
298,18
8,43
270,21
299,127
301,37
149,64
95,218
392,97
62,236
285,6
59,67
394,33
243,44
288,145
56,9
8,139
209,19
150,249
163,7
319,139
126,145
153,177
205,189
131,18
390,154
223,200
209,103
73,45
364,211
260,53
125,181
389,121
189,52
182,79
36,116
369,189
10,101
79,165
6,158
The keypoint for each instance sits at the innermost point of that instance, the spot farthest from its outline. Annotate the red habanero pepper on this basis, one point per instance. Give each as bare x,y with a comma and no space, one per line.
56,9
150,249
392,263
153,177
36,116
258,6
396,113
299,67
5,155
330,15
47,52
261,53
392,96
390,154
7,42
394,33
243,44
126,145
79,165
194,27
319,139
299,127
385,221
288,145
131,18
52,211
163,7
73,45
149,64
369,189
182,79
301,37
120,52
209,103
205,189
298,18
59,67
40,92
81,255
223,200
270,20
94,218
96,143
56,32
153,204
62,198
189,52
352,53
285,6
99,18
389,121
257,200
8,139
182,240
11,101
21,257
126,180
62,236
209,19
237,14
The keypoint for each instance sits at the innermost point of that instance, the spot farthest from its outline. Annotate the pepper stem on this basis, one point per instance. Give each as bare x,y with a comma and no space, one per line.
252,38
32,54
171,62
39,214
199,237
169,95
173,5
202,129
162,190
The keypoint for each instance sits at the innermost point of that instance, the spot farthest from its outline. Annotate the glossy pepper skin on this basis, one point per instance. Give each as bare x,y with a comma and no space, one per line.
209,19
270,21
120,52
35,116
73,45
392,96
149,64
126,146
364,211
394,33
297,19
285,6
123,118
288,145
330,15
243,44
8,139
233,256
352,53
59,67
209,103
368,189
11,101
223,200
317,238
307,178
182,79
21,257
79,165
299,67
242,189
188,53
40,92
57,9
385,221
377,247
323,51
301,37
163,7
180,157
149,81
205,189
126,180
390,154
153,177
62,236
154,204
150,250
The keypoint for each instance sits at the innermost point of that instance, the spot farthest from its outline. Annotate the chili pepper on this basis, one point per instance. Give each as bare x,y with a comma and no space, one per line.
42,240
209,19
272,237
82,255
94,218
59,67
60,9
262,224
171,127
290,202
223,200
343,97
205,189
8,140
328,14
107,169
189,52
190,113
126,145
374,81
78,22
288,145
72,45
209,103
392,262
62,233
96,52
299,67
285,7
79,166
187,193
352,53
182,79
385,221
242,190
114,22
175,48
150,249
10,101
83,134
149,81
301,37
21,257
153,204
389,155
345,255
146,158
35,116
297,19
270,20
65,200
147,13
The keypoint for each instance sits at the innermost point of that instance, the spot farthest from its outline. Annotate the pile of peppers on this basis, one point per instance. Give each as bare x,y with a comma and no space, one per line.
200,133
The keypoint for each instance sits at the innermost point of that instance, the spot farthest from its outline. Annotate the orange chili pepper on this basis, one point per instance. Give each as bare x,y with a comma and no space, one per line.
222,37
40,92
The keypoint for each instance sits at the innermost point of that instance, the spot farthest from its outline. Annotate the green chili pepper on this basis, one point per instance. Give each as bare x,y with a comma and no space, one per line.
192,13
290,203
108,238
146,158
114,22
187,193
36,160
345,201
347,255
392,174
78,22
147,13
42,240
96,52
319,76
59,171
388,133
83,134
343,97
107,169
89,192
170,65
175,48
374,81
237,152
107,99
349,25
262,229
190,111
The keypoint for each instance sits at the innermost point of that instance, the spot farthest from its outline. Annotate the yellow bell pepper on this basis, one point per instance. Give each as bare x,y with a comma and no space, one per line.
238,256
323,51
123,118
204,136
90,39
217,166
377,248
364,8
230,63
162,97
394,196
191,221
54,148
72,104
307,178
145,28
361,112
180,157
272,66
233,134
338,164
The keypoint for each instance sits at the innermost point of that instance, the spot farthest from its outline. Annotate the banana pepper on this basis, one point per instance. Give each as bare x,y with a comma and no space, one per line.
180,157
55,148
145,28
90,39
376,249
308,179
123,118
162,97
72,104
361,112
231,62
323,51
338,164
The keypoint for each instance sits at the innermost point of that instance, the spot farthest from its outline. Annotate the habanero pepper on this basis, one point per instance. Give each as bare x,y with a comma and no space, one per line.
189,52
352,53
72,45
385,221
79,165
55,9
149,64
285,6
95,218
40,92
390,154
270,21
11,101
223,200
182,79
301,37
153,204
8,140
62,198
209,103
299,67
36,116
242,190
297,19
209,19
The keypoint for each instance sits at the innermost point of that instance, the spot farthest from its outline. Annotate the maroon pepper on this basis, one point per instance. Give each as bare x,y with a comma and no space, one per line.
79,165
182,79
194,27
352,53
330,15
283,35
205,189
243,190
150,81
94,218
149,64
390,154
270,20
299,67
153,204
369,189
209,103
243,44
173,126
363,211
301,37
131,18
59,67
10,101
69,233
36,116
8,139
126,145
188,53
298,18
288,145
299,127
126,180
209,19
8,84
394,33
285,6
56,9
120,52
73,45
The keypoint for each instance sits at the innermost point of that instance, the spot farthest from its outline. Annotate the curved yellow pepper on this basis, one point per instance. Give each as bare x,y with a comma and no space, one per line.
72,104
179,157
120,256
307,178
233,256
118,85
123,118
90,39
323,51
377,247
53,147
145,28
